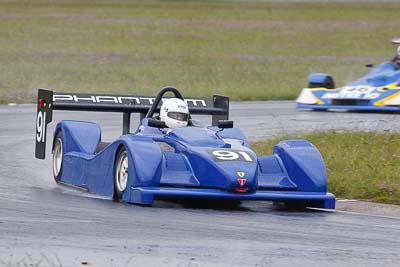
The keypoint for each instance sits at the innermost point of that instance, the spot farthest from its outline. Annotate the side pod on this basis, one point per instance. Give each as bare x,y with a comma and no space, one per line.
304,164
79,136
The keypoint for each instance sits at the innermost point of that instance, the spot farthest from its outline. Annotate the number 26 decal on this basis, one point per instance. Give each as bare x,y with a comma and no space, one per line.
227,155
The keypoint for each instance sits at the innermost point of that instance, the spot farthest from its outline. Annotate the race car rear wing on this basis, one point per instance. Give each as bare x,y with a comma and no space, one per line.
48,101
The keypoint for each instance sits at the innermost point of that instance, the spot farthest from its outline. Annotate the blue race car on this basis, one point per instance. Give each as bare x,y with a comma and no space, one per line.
158,162
379,90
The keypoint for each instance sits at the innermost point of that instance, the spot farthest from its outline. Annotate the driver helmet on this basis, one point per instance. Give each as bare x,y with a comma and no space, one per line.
175,113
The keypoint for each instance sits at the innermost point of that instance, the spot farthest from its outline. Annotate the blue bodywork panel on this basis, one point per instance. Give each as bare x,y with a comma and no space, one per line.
193,162
378,90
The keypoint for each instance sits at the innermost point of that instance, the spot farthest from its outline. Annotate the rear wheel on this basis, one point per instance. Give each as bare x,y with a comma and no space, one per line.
121,174
58,156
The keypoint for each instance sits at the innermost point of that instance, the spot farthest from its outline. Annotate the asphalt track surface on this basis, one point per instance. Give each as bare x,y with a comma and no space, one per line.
43,224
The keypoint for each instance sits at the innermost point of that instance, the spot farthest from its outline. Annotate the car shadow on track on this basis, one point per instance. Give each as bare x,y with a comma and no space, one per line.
235,205
75,197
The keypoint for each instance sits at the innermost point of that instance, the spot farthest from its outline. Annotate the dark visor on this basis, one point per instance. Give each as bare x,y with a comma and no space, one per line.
178,116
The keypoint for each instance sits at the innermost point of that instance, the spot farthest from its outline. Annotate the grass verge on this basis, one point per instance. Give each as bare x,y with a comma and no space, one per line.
363,166
249,51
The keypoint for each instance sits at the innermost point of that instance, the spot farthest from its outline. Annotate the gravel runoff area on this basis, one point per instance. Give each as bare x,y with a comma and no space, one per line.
370,208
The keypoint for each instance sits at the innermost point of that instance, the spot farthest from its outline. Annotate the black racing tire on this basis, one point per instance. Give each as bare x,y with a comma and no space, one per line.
328,83
295,206
204,203
58,156
290,206
120,174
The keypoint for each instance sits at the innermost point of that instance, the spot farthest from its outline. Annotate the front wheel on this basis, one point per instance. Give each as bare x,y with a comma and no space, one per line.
58,156
320,109
121,174
295,206
289,206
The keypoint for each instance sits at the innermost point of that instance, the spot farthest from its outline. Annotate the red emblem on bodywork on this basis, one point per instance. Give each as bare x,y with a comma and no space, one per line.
242,181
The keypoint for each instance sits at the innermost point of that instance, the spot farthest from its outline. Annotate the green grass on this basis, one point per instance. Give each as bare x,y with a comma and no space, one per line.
360,165
249,51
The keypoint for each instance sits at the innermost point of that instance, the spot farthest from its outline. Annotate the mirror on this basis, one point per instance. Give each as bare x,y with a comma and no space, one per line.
156,123
223,124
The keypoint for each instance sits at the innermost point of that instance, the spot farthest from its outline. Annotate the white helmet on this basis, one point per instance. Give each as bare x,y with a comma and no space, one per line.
175,113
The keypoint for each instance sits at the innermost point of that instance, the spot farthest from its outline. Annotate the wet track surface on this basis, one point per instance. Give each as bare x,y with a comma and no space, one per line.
42,224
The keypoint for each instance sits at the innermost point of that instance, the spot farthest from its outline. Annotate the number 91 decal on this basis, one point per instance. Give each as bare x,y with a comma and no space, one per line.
41,127
231,155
